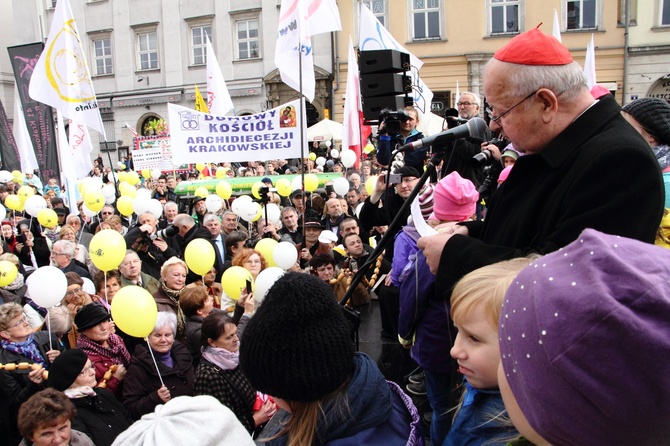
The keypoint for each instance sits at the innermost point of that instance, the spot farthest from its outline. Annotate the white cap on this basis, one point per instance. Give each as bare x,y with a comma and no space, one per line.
327,236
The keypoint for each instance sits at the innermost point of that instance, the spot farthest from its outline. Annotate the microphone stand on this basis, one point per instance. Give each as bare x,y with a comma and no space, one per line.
354,316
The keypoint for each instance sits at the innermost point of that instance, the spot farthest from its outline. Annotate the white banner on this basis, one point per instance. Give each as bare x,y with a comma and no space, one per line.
201,138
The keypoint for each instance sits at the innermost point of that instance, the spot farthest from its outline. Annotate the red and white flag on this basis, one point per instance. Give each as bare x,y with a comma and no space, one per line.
218,98
298,21
354,133
61,77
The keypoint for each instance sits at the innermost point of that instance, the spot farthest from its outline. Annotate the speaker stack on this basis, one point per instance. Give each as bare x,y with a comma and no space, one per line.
385,82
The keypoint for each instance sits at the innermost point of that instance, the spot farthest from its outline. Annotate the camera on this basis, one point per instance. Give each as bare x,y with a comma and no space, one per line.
481,158
393,178
393,120
170,231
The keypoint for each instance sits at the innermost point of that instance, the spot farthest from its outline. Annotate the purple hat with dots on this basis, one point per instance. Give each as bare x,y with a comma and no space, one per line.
585,342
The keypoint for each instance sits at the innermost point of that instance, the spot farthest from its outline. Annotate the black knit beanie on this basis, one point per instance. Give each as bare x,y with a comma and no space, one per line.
654,115
297,346
65,368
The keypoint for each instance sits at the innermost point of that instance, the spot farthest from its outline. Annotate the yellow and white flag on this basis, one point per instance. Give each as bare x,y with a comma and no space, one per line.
61,77
200,103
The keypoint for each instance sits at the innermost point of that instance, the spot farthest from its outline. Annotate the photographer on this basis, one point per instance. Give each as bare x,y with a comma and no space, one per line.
489,160
399,128
151,249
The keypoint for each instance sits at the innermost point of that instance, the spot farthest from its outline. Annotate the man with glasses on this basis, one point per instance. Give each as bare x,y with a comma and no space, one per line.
62,257
584,166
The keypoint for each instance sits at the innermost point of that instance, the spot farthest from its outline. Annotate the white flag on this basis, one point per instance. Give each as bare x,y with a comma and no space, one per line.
556,31
354,133
457,98
80,148
590,64
68,174
218,97
22,137
61,77
298,21
373,36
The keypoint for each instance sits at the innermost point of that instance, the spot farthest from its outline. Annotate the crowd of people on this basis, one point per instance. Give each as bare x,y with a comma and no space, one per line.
527,290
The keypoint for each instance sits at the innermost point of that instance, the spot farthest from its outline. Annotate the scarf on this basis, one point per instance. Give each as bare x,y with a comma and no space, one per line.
221,357
27,349
79,392
165,358
116,352
173,295
16,284
662,153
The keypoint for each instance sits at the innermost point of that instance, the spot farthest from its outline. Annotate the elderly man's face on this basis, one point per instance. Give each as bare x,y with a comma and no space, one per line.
149,219
131,267
200,207
170,212
334,208
214,226
467,108
290,220
229,223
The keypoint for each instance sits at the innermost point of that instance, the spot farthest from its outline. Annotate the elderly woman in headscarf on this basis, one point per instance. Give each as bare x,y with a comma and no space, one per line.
172,282
143,389
21,350
102,345
99,414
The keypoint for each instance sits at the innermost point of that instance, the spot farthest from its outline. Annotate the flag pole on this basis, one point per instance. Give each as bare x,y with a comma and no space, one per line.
303,125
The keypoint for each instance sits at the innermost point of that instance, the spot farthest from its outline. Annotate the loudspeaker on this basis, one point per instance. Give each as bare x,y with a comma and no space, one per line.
373,106
385,84
383,61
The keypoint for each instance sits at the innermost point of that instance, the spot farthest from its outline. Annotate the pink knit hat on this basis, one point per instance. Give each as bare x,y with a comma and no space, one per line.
455,198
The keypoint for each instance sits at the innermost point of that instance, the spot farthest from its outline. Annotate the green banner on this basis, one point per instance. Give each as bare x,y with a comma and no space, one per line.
242,185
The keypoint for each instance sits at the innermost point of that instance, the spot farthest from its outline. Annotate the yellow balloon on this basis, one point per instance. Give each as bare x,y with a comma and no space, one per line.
255,189
123,167
127,190
8,272
312,156
24,192
18,176
133,178
223,189
122,176
107,249
221,172
200,166
259,214
47,218
311,182
146,173
13,202
283,187
369,148
134,310
125,205
266,246
199,255
234,280
370,185
201,192
94,200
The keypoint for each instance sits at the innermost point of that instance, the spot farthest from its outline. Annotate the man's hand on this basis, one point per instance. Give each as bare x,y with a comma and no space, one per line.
433,245
160,244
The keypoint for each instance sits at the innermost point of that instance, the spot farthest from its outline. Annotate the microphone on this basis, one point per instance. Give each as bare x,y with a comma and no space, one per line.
457,119
474,128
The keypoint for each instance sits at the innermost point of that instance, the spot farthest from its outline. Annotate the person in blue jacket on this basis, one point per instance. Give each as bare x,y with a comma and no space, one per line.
389,139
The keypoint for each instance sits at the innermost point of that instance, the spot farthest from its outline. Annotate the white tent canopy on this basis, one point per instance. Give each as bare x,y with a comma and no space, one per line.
325,130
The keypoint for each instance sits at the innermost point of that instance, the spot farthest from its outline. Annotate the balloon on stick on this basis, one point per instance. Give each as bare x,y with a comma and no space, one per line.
47,286
341,186
134,310
107,249
285,255
234,281
264,282
8,272
200,256
266,247
223,189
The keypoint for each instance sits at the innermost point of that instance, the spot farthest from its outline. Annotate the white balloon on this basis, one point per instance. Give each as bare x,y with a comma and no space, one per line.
296,184
341,186
250,211
285,255
3,212
335,153
6,176
155,207
112,177
34,204
320,161
110,200
155,173
274,213
88,285
213,203
143,193
264,282
239,204
87,212
140,205
348,158
47,286
108,190
328,143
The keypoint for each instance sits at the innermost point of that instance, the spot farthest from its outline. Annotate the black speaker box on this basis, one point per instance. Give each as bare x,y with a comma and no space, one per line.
383,61
387,84
373,106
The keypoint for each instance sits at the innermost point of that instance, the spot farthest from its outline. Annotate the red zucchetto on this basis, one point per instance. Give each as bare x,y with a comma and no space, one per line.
534,48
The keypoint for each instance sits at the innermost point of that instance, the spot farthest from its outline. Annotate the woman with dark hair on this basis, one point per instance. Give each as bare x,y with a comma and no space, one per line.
20,348
107,287
220,376
143,389
99,414
46,420
197,304
328,393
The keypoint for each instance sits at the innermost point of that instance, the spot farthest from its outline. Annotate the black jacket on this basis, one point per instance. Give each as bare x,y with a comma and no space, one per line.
101,417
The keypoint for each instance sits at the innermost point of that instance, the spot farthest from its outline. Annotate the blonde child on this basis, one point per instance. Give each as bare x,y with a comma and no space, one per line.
476,302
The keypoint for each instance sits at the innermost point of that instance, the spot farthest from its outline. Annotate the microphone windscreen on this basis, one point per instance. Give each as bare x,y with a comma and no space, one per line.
478,129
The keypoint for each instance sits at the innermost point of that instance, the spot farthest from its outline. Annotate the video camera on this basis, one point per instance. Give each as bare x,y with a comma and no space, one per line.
393,120
483,157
